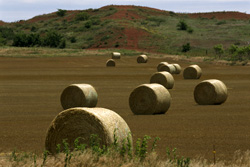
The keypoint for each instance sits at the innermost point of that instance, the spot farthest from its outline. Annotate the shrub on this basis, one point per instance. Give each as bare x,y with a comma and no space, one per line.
88,24
52,39
33,29
73,39
82,16
33,39
233,49
182,25
7,33
62,44
2,41
20,40
219,50
186,47
61,12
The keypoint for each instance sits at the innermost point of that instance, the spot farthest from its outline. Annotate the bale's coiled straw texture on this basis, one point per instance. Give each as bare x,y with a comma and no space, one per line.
164,78
210,92
83,122
79,95
142,59
110,63
116,55
169,68
161,64
192,72
149,99
177,68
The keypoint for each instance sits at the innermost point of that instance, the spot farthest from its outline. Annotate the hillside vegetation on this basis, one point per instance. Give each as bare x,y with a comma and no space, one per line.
136,28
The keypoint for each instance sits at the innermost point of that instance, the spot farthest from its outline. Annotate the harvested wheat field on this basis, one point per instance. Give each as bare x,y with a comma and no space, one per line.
30,90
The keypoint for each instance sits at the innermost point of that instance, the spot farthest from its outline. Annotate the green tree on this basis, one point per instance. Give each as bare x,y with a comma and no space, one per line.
186,47
219,50
182,25
233,49
61,12
20,40
52,39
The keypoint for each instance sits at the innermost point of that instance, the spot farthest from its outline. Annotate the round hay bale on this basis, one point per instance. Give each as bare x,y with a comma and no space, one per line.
177,68
192,72
210,92
149,99
116,55
169,68
142,59
110,63
79,95
82,122
160,64
164,78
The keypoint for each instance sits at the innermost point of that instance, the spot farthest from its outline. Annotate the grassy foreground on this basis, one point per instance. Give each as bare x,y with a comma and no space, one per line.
123,154
90,159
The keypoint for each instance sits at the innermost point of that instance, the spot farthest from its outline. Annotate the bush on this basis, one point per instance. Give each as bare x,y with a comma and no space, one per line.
20,40
2,41
73,39
52,39
219,50
61,12
82,16
182,25
23,40
241,54
88,24
62,44
233,49
186,47
7,33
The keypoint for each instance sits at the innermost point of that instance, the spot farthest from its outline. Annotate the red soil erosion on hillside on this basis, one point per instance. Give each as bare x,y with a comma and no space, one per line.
129,37
124,13
221,15
133,37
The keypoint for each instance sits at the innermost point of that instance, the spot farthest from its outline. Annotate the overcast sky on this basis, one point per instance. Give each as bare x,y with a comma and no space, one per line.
14,10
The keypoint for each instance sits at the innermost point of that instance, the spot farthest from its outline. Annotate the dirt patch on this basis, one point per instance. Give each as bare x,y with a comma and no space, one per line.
124,13
133,36
221,15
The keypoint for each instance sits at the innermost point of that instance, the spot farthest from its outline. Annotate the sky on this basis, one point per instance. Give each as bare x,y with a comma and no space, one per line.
15,10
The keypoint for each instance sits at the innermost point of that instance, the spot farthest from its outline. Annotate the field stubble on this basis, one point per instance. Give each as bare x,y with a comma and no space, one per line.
30,99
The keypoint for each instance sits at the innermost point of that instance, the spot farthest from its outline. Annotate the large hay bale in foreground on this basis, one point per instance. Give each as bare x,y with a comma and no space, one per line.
210,92
169,68
110,63
161,64
142,59
83,122
177,68
164,78
192,72
79,95
149,99
116,55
